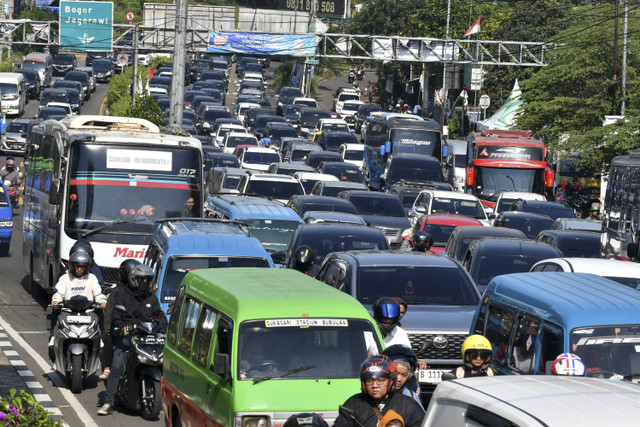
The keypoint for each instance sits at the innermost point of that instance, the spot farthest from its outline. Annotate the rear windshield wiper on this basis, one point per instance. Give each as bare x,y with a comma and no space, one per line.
112,223
284,374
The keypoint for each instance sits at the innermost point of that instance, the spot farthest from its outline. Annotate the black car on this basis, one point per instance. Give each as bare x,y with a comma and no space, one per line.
332,140
342,170
333,188
363,112
314,158
219,160
323,239
552,209
288,168
261,122
409,167
530,224
286,97
252,114
572,243
301,204
407,191
487,258
33,82
103,70
463,235
275,131
64,62
92,57
296,150
381,210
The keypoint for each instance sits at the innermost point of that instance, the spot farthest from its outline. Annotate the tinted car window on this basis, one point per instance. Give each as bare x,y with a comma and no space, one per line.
323,243
378,206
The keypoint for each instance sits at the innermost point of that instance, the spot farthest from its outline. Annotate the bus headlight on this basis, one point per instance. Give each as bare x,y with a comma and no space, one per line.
260,421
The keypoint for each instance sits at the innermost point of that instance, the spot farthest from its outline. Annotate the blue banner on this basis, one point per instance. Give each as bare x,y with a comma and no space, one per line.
262,44
86,25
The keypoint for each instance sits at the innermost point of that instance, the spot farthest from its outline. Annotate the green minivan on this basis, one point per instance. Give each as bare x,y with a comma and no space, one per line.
249,347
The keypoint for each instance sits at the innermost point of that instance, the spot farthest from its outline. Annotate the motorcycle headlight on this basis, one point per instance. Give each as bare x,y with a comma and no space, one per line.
255,421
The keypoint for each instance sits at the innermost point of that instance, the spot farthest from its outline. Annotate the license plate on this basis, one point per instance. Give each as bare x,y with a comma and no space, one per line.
153,340
431,376
79,319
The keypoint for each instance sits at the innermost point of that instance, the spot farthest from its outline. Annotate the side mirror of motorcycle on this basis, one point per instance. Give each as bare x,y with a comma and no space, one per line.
120,308
221,366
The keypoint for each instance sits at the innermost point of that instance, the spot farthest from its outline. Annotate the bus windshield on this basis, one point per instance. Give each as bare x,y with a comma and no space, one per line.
416,141
112,183
493,180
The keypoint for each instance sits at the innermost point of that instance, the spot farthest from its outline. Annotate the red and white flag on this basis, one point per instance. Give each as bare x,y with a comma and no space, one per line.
474,28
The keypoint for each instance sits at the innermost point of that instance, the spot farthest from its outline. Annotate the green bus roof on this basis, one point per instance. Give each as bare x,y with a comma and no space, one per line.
268,293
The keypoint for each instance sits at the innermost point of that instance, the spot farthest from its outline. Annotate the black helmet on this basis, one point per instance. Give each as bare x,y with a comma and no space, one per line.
305,419
303,258
386,308
125,269
422,241
11,162
401,352
79,258
140,278
85,245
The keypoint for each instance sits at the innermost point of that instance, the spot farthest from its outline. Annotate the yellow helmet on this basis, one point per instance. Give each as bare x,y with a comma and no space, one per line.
476,343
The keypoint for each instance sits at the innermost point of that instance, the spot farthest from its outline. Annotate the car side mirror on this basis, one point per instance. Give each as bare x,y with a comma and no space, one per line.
278,257
221,366
421,209
491,215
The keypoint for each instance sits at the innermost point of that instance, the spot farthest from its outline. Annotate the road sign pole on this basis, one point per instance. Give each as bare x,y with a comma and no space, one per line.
135,64
179,60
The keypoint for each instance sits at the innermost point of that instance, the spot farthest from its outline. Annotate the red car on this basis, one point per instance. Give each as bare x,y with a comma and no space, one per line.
440,228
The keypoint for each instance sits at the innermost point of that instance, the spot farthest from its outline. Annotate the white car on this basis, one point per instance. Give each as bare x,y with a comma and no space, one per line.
305,102
625,272
65,106
274,186
233,139
258,158
349,109
506,198
309,179
344,96
353,153
325,125
448,202
242,108
225,129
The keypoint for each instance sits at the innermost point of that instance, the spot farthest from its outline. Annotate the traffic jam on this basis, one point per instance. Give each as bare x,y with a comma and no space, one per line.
280,263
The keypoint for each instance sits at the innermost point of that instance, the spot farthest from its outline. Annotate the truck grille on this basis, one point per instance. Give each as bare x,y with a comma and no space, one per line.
111,275
450,350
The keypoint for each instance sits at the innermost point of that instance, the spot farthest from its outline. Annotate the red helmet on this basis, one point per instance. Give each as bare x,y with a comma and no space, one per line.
378,366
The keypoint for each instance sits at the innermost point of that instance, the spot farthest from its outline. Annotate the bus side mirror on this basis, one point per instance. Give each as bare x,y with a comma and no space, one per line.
221,366
54,193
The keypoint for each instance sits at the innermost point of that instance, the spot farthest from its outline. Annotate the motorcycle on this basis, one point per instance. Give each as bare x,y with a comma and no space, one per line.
76,345
360,74
352,75
139,386
12,192
580,204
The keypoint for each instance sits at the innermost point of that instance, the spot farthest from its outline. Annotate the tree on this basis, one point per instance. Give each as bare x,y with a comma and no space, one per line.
147,108
566,101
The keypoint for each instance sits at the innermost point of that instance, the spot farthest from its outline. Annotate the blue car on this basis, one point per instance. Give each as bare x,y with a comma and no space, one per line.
6,221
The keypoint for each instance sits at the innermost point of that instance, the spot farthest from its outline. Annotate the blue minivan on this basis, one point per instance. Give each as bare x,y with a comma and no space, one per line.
180,245
531,318
6,221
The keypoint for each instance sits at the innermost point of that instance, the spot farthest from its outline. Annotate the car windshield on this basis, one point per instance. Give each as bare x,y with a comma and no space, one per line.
333,190
344,173
309,120
8,89
632,282
460,161
468,208
414,171
33,65
504,205
416,141
350,107
348,97
275,189
64,59
102,66
378,206
179,266
274,234
492,265
330,127
440,233
234,141
231,181
494,180
354,155
260,158
117,183
327,207
18,127
608,350
531,227
416,285
408,198
327,348
354,239
554,210
224,161
300,154
581,247
280,132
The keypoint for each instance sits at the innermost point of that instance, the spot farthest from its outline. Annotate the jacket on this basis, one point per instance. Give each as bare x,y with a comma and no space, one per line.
137,309
362,406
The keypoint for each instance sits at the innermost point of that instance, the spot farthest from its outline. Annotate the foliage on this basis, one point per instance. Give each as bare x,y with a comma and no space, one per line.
566,101
7,66
23,410
282,76
160,61
118,93
146,108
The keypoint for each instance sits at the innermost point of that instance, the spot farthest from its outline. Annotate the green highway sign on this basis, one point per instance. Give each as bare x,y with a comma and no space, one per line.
86,25
314,61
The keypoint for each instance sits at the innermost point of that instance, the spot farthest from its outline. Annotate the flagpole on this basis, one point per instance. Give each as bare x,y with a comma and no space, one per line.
443,101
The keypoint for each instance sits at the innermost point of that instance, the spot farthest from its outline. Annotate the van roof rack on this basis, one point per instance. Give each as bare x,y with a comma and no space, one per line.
110,123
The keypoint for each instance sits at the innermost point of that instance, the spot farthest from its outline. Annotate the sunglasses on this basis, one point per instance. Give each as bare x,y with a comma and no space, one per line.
484,356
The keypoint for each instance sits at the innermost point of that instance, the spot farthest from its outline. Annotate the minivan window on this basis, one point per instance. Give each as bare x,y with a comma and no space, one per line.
33,65
595,345
552,346
202,341
8,89
179,266
172,329
274,234
188,325
498,330
523,345
304,348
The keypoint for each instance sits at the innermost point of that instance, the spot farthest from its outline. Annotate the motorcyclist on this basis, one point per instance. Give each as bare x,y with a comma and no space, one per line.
421,242
107,348
595,212
140,305
476,355
386,313
305,419
11,172
85,245
303,261
77,282
378,375
406,363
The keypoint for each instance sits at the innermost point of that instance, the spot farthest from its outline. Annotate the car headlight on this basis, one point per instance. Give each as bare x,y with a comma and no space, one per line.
458,179
257,421
6,224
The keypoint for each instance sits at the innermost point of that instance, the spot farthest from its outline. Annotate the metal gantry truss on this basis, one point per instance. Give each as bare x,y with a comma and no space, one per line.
342,46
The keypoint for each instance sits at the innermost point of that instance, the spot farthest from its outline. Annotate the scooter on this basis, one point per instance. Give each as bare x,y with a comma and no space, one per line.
352,75
76,345
12,192
139,386
360,74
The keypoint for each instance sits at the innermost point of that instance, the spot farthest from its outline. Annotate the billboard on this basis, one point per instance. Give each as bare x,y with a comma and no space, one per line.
262,44
86,25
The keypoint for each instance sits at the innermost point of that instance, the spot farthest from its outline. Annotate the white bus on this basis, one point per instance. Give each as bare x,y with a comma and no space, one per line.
104,179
